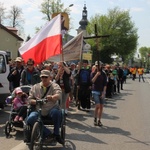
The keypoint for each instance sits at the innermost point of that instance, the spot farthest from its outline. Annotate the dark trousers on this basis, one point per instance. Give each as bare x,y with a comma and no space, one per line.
115,88
141,76
118,86
124,79
22,111
109,89
84,96
133,76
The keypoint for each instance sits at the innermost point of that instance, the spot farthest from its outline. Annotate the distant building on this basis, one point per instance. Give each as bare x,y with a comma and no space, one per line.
10,41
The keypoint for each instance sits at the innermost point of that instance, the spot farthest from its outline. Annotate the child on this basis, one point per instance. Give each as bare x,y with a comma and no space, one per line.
19,104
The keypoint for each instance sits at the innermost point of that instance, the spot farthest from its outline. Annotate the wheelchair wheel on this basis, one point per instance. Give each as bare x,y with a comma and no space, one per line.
36,137
8,128
63,126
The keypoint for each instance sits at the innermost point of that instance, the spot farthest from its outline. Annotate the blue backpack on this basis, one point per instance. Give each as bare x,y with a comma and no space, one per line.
84,76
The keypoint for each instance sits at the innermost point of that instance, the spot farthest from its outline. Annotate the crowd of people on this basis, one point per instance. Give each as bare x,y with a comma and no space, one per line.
61,82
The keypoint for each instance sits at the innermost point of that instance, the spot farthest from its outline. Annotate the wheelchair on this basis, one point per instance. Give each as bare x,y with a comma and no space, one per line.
10,125
36,141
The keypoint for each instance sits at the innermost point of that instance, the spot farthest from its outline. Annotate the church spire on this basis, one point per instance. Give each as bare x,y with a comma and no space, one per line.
84,22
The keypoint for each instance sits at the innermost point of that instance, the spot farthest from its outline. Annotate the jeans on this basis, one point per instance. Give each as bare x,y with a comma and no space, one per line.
54,114
64,99
97,99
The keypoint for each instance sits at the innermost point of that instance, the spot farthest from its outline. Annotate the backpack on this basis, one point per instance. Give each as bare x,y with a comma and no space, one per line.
84,76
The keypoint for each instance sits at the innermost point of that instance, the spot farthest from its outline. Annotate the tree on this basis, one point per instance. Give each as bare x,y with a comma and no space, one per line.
49,7
2,13
15,19
123,34
145,55
15,16
144,51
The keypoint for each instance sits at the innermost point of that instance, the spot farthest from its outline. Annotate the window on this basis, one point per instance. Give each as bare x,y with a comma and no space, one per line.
2,64
8,54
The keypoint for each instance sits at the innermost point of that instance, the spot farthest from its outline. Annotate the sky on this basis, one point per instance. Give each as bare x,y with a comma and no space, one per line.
139,11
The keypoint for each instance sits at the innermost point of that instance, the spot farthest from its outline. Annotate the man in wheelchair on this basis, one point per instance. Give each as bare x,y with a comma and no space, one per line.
52,92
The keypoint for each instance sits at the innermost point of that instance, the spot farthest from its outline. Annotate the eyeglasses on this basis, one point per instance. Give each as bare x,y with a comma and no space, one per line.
44,77
30,64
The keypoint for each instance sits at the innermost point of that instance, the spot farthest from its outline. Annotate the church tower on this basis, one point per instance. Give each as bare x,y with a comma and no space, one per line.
83,22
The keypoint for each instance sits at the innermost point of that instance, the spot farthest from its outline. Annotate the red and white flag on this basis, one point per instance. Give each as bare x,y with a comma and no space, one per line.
46,43
71,50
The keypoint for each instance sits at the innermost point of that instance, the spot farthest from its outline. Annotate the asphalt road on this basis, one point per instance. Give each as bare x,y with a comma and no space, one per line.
126,123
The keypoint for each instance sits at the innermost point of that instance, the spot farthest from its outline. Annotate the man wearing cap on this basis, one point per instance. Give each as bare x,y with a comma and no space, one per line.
52,92
99,84
15,74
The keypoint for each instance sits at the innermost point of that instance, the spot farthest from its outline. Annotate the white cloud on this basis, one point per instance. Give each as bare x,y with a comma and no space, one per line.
136,9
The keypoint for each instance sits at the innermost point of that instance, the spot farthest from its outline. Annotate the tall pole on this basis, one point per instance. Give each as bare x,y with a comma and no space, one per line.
97,44
97,37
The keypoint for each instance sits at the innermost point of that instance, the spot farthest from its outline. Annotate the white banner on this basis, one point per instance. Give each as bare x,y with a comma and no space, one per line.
71,50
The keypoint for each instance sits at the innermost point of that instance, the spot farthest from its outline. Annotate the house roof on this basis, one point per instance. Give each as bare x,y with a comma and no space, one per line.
10,32
11,28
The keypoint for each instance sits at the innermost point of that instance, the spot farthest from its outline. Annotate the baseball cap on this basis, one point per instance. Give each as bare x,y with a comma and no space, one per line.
19,59
18,90
45,73
72,64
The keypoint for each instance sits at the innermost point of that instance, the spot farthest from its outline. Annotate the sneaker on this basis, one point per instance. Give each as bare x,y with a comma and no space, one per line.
21,119
16,118
99,124
66,112
49,138
95,122
78,105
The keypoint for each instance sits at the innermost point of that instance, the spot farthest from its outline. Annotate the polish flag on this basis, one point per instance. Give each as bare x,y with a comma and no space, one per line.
46,43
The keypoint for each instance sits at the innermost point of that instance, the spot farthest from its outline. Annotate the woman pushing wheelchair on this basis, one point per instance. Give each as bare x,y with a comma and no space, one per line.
50,91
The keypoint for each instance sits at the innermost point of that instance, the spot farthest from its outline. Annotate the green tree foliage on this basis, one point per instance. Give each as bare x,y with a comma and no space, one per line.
145,55
123,34
49,7
144,51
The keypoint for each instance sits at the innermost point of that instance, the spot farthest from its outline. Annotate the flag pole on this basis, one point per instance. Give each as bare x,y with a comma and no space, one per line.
81,54
62,55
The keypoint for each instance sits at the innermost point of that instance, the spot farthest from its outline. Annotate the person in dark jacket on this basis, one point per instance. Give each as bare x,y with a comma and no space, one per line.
30,75
62,79
99,85
120,78
15,74
84,86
